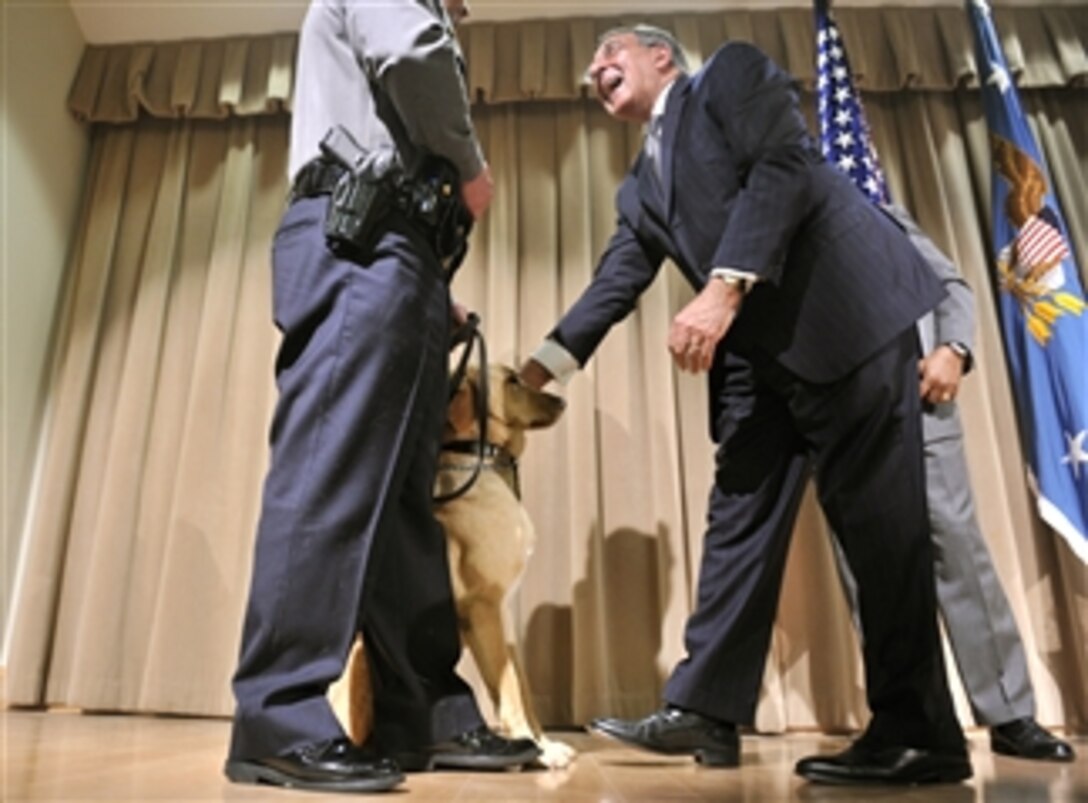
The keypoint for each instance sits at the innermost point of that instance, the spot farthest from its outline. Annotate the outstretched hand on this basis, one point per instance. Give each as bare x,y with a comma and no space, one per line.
534,374
699,327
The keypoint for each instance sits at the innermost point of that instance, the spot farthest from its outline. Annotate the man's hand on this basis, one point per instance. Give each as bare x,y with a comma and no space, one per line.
940,372
534,374
699,327
459,313
478,192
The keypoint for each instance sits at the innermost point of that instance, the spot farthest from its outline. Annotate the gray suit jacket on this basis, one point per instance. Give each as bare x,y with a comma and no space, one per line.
953,320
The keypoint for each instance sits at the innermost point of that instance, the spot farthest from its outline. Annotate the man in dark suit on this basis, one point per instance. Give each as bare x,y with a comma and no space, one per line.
978,619
347,539
807,297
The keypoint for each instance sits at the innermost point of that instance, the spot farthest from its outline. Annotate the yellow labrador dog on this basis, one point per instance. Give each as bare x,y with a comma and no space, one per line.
490,538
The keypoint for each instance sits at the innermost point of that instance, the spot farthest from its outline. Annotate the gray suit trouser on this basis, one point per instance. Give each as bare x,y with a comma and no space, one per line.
981,629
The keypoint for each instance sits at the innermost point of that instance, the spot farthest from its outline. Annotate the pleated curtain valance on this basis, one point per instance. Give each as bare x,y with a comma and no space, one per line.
890,49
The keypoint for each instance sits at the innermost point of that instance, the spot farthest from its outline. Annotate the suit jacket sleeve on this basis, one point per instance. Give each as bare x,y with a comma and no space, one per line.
756,106
954,316
408,48
625,270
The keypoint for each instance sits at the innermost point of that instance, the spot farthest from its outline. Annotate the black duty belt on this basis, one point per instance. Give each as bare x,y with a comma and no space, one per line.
426,203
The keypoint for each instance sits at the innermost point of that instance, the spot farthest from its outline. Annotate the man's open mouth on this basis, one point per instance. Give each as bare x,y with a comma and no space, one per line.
608,82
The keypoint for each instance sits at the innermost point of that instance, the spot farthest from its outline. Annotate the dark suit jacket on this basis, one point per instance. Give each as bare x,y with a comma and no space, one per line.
744,187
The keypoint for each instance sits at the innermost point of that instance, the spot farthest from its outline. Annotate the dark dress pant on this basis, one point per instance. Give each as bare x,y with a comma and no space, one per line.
862,437
977,616
347,540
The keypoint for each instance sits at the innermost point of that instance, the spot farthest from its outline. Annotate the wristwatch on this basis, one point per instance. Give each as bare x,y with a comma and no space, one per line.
959,350
740,282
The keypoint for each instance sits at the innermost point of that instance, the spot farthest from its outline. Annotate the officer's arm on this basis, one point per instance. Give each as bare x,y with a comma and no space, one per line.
412,53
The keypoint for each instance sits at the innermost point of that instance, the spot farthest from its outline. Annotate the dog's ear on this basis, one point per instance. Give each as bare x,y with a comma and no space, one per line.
546,408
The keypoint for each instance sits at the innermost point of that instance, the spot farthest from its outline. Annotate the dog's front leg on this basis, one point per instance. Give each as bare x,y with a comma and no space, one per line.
517,703
486,639
482,630
501,671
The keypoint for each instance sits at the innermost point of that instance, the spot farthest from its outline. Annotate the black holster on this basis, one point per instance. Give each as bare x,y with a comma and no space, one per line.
371,187
354,219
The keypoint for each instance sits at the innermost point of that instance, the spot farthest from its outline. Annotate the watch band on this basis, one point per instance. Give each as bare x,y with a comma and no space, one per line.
959,349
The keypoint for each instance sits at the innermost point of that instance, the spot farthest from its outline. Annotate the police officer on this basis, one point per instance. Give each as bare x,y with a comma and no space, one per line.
347,540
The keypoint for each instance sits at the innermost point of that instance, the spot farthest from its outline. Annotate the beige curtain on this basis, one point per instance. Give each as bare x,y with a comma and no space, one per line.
155,441
149,484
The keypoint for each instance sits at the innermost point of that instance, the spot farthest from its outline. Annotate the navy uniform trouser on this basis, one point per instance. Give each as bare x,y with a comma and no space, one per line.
862,437
347,540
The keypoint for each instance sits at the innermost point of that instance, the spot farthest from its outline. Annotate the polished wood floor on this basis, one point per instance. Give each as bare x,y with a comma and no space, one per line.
65,755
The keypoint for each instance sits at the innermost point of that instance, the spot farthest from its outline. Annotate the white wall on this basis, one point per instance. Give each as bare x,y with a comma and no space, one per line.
43,155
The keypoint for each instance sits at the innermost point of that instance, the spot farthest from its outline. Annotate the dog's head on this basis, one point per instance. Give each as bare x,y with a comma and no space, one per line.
512,408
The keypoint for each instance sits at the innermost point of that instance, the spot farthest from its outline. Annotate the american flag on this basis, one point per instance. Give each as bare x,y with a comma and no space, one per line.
844,134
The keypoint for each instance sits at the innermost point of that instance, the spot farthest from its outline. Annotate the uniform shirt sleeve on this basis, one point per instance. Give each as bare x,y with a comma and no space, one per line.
409,49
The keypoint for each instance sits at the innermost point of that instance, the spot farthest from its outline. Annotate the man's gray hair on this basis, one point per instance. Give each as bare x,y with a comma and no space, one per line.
651,36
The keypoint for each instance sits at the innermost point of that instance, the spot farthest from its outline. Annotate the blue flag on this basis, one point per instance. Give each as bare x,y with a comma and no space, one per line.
844,133
1043,313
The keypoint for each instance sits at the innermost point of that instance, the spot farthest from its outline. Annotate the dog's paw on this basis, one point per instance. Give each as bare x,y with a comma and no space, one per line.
555,755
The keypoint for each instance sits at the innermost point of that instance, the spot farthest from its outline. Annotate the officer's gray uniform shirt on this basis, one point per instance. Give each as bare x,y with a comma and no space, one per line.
414,60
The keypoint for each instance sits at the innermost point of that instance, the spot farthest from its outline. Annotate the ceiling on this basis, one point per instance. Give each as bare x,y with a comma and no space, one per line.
106,21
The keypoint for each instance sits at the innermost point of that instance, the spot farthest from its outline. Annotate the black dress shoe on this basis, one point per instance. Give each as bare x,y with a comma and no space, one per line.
333,766
676,732
479,749
861,764
1026,738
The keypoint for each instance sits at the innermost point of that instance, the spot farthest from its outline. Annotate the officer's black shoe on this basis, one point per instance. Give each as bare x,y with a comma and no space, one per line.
1026,738
333,766
478,749
676,732
860,764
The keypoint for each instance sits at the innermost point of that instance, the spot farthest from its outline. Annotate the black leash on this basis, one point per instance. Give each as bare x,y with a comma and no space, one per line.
469,334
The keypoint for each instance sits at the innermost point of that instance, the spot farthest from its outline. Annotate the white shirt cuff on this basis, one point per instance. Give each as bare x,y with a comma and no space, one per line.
733,273
559,362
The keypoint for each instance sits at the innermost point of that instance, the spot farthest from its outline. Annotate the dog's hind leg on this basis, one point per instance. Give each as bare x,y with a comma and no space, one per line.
351,696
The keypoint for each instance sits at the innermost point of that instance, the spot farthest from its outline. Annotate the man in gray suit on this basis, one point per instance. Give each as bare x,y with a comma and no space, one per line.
981,629
347,539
